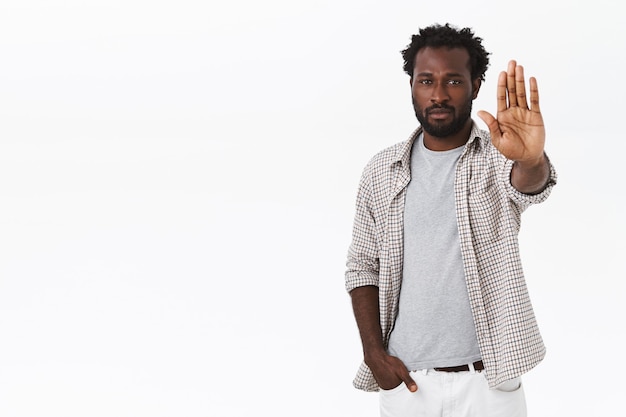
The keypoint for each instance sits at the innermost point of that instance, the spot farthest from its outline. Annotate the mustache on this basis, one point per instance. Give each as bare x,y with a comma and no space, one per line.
438,107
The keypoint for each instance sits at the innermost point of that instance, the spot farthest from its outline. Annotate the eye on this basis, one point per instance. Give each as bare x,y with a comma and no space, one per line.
425,81
454,82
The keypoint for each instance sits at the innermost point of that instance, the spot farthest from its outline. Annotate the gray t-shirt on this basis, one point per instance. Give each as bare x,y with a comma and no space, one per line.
434,326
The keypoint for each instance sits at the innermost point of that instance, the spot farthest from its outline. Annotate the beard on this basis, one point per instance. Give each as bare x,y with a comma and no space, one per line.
442,130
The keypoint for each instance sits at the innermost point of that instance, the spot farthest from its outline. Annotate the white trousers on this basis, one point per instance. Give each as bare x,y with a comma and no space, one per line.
454,394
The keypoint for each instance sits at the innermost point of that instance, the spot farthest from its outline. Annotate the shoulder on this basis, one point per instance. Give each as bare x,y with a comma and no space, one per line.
384,161
384,158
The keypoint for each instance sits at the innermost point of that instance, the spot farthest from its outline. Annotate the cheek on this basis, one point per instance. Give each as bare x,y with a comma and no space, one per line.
419,95
465,96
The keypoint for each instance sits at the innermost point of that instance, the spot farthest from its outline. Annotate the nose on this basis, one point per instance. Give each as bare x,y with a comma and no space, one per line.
439,93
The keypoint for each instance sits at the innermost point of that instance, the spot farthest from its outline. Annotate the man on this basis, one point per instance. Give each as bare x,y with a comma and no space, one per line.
434,270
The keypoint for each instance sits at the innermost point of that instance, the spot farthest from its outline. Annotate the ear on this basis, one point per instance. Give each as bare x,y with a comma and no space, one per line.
475,88
411,82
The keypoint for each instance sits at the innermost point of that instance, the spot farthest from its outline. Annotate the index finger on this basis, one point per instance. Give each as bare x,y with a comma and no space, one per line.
501,92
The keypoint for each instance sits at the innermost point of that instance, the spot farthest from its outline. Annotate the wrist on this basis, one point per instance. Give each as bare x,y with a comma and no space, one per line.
532,176
374,355
532,163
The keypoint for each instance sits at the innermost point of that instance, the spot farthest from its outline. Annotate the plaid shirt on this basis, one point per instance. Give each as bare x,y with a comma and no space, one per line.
488,211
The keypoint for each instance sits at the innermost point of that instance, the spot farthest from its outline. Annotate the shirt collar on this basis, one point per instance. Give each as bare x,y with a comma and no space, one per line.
403,154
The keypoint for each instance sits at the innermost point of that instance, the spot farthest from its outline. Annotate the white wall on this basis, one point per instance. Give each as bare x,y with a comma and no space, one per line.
177,184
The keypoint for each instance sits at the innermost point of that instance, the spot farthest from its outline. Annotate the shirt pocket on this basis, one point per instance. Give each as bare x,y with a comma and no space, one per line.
487,214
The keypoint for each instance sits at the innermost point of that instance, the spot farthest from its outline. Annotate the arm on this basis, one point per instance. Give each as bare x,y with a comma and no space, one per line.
531,177
362,278
388,370
518,132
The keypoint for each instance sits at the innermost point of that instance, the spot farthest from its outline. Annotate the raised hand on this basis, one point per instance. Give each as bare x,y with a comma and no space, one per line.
518,131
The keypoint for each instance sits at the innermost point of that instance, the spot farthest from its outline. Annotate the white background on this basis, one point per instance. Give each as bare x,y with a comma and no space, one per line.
177,184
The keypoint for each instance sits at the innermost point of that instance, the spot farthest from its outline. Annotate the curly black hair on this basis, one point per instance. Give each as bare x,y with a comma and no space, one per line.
448,36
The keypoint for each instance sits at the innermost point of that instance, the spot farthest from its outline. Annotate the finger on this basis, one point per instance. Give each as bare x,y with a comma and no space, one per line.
410,383
510,83
501,92
534,95
520,87
492,124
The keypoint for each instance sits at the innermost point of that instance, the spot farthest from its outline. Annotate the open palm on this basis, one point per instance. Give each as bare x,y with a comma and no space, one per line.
518,131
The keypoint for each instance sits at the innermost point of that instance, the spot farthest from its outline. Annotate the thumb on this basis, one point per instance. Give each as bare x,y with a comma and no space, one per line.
410,383
490,121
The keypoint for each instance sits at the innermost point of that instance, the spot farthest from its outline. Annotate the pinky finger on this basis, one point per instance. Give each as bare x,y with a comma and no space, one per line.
534,95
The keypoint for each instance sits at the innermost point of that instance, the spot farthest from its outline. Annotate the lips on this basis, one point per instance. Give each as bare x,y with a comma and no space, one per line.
439,113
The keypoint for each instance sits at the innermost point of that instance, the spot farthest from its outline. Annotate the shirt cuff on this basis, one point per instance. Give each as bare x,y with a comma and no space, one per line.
522,199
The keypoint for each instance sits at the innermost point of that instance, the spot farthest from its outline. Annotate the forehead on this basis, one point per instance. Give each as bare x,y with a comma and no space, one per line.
442,60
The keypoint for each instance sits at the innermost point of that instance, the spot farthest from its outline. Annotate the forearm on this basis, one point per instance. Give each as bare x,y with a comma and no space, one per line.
388,371
367,315
531,177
